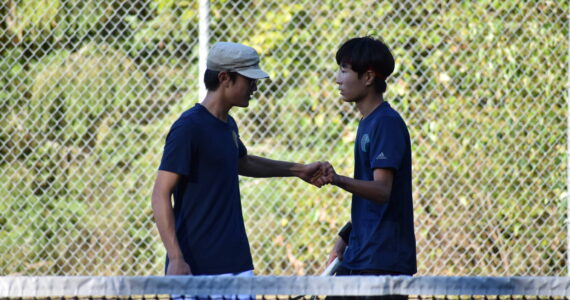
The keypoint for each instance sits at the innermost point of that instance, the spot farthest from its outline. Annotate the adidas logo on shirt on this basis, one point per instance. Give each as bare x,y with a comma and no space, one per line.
381,156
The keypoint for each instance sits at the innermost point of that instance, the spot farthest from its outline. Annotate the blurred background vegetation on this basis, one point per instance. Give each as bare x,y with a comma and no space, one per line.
90,88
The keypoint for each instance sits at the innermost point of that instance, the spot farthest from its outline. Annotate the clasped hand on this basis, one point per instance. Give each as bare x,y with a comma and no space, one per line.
320,174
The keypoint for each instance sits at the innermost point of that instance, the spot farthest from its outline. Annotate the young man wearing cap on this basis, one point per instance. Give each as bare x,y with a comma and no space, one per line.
204,232
381,239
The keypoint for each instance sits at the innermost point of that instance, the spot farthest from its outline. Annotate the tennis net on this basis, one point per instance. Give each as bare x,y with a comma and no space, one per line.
274,287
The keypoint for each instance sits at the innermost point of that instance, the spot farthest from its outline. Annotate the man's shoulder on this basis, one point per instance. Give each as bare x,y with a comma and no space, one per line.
187,122
386,110
388,116
190,117
192,114
387,120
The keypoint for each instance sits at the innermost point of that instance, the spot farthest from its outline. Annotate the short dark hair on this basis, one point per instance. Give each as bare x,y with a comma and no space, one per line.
211,79
368,53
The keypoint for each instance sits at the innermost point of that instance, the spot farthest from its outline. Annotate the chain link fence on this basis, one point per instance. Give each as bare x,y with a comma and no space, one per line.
90,88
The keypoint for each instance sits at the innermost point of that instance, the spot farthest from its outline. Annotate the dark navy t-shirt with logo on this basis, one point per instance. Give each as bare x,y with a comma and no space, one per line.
382,236
205,152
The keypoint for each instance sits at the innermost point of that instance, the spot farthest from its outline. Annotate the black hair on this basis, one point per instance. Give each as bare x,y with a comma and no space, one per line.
367,53
211,79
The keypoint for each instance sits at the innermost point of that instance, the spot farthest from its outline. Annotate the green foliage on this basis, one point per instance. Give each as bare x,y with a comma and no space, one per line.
90,88
77,95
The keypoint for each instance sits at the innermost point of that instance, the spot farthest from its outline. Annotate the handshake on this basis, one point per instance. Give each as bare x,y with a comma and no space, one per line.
319,174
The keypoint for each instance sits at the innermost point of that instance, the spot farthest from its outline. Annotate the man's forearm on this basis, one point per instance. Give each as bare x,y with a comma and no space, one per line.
164,218
376,191
255,166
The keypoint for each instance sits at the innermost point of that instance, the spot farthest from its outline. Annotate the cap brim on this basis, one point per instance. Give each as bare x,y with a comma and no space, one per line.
253,73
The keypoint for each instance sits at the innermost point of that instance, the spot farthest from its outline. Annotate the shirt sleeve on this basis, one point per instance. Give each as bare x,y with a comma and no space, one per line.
388,144
179,150
241,148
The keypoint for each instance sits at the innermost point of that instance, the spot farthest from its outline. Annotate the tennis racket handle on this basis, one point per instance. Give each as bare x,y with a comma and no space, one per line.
331,268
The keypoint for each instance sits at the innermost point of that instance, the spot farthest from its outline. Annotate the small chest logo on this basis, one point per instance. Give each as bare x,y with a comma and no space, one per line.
234,135
364,141
381,156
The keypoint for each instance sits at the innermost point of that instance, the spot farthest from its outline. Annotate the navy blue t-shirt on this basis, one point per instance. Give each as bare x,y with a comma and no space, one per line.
207,208
382,236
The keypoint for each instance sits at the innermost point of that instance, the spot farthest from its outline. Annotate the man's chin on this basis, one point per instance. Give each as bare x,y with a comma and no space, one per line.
345,98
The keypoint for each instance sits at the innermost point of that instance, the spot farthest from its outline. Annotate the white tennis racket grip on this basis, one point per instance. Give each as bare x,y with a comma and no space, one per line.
331,267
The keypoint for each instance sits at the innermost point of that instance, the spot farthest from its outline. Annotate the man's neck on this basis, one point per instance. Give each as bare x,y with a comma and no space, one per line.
369,103
214,104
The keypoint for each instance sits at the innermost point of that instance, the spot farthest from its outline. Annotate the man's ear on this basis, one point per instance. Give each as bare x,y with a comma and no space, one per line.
223,78
369,77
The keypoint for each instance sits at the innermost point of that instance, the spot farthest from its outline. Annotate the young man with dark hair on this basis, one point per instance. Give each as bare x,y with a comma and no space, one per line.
380,239
204,232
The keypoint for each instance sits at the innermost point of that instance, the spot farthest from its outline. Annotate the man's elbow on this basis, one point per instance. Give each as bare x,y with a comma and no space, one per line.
383,196
159,198
155,201
381,199
243,166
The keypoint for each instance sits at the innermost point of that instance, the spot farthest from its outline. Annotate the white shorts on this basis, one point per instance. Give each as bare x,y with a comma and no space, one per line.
219,297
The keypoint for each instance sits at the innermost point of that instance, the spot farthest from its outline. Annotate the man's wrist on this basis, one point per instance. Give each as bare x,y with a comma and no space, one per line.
336,180
296,169
177,256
